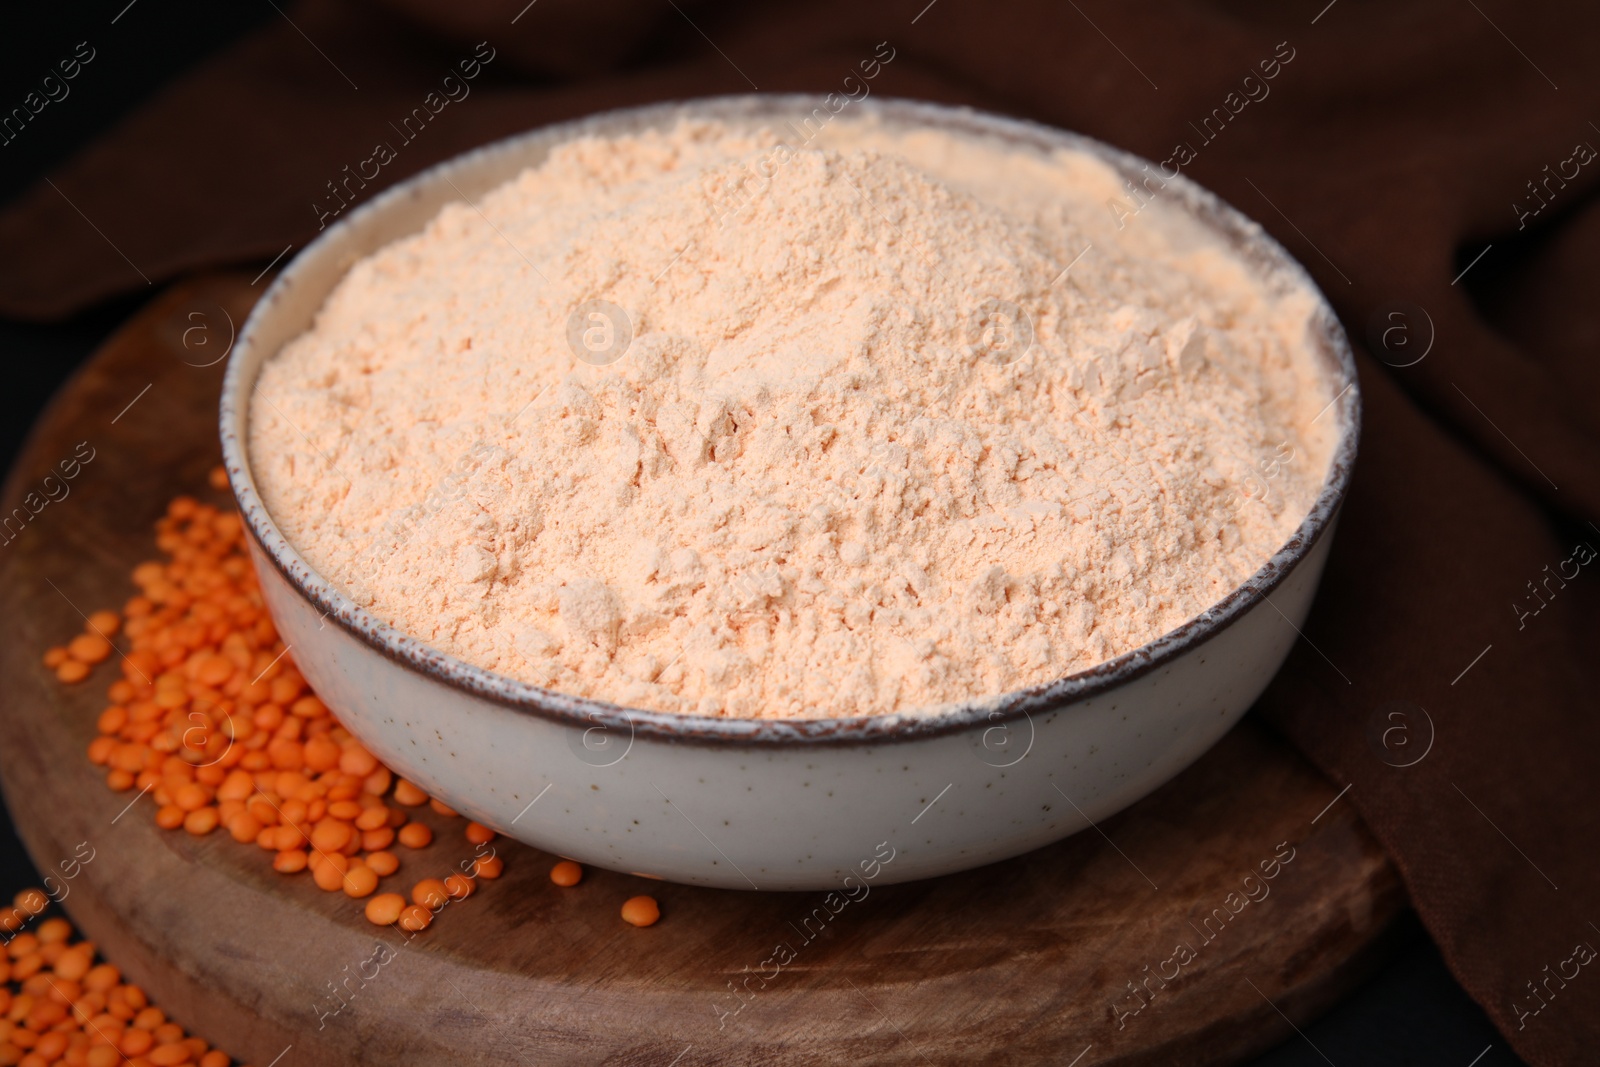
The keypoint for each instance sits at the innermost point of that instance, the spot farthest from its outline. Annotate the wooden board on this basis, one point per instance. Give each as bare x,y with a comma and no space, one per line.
1027,961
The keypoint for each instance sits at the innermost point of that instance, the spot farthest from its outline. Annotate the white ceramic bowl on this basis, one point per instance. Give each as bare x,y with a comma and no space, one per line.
785,804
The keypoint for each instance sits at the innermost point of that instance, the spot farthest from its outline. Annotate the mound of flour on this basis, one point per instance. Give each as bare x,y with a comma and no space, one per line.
847,435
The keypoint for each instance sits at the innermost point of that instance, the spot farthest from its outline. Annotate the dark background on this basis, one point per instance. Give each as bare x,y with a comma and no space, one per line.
1411,1013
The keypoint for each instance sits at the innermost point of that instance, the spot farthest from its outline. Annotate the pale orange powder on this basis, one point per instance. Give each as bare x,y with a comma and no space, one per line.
826,477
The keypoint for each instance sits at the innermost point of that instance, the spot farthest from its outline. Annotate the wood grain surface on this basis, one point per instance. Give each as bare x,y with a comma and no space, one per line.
1137,942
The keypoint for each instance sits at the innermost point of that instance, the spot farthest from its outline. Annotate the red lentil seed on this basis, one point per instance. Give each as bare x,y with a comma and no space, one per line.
72,670
415,835
385,908
405,793
641,911
430,893
329,872
89,648
136,1041
360,881
377,840
289,861
383,862
201,821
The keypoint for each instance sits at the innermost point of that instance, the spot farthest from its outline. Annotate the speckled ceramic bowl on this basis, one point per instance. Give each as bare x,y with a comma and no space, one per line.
788,804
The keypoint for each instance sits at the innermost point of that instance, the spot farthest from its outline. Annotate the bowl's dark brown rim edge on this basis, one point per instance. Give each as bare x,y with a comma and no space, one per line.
987,712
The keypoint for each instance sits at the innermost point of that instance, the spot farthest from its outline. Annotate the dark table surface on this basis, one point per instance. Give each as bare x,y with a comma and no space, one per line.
1411,1013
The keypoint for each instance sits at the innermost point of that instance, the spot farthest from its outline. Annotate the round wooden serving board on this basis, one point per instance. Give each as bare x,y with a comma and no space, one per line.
1027,961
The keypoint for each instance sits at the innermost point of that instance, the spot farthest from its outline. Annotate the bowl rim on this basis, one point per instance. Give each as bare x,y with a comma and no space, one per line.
1249,239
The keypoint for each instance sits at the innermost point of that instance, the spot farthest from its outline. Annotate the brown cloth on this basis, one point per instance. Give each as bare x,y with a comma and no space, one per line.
1402,139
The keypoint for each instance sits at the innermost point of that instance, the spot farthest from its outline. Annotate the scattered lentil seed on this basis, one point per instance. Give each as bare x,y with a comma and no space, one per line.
415,835
348,811
72,670
102,979
360,882
377,840
329,874
289,861
383,863
404,792
74,963
170,1055
191,796
385,908
358,761
91,648
641,911
431,893
201,821
330,835
244,827
566,873
104,623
